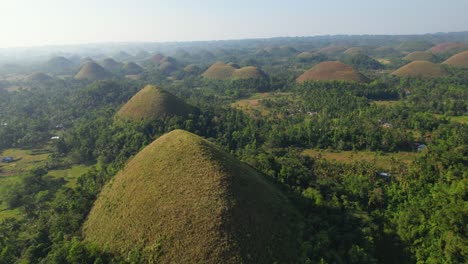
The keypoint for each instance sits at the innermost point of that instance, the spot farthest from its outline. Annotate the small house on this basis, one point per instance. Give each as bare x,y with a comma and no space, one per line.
55,138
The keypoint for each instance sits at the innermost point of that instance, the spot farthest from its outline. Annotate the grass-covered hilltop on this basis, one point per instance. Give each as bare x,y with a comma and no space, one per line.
153,103
331,70
327,149
184,200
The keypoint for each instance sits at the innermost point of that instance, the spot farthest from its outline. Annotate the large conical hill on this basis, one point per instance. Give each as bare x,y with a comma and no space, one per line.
459,60
331,71
92,71
423,69
153,103
219,71
184,200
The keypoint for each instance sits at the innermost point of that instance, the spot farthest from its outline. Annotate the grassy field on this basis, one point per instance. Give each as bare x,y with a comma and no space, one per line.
381,160
386,102
253,104
456,119
25,160
70,174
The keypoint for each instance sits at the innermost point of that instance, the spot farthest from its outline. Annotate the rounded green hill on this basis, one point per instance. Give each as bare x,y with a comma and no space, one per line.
92,71
184,200
423,69
459,60
153,103
331,71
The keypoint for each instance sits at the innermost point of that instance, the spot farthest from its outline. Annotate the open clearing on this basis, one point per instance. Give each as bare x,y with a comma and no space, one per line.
25,160
254,105
381,160
386,102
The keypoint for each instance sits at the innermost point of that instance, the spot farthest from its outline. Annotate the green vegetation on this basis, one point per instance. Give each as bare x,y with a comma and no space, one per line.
238,170
381,160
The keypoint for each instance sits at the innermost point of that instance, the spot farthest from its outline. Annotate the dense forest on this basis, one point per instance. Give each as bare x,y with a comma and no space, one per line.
354,211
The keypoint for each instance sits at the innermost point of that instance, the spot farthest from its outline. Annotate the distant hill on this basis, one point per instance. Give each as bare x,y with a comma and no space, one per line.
142,54
223,71
152,103
414,45
332,49
449,47
220,71
459,60
354,51
38,77
249,72
331,70
184,200
111,65
92,71
132,68
59,65
156,58
423,69
122,56
192,69
419,55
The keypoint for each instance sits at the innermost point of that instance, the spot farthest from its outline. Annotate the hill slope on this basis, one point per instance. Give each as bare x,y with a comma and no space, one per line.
220,71
183,200
448,47
132,68
92,71
38,77
331,70
59,64
419,55
153,103
459,60
420,69
223,71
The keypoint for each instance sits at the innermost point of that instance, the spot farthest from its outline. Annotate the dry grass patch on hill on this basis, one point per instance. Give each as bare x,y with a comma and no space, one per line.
423,69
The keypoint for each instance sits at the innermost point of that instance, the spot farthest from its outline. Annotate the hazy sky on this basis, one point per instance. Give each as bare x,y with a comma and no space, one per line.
45,22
